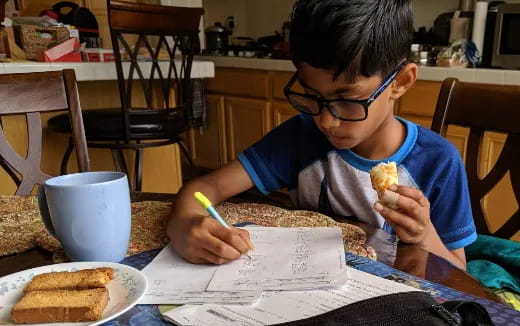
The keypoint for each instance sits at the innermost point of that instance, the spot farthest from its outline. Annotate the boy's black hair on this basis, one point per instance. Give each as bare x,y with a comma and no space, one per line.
353,36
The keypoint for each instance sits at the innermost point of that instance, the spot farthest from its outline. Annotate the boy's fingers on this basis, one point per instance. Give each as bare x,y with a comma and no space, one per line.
396,218
229,238
209,257
409,205
247,238
390,198
412,193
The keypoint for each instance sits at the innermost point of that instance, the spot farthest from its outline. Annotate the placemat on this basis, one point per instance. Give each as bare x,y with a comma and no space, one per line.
21,227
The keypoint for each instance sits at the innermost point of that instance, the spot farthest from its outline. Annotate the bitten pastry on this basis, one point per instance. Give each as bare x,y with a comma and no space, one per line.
60,305
78,280
383,176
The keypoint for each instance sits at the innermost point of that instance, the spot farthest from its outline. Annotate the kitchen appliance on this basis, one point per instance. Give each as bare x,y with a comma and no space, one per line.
489,33
217,39
506,40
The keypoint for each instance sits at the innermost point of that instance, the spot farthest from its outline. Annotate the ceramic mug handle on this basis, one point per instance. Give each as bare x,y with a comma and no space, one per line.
44,210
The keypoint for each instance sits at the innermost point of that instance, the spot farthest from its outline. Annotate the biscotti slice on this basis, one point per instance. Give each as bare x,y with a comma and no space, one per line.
82,279
60,305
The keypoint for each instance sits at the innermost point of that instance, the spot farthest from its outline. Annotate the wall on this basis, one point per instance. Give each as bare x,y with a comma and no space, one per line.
262,17
218,10
266,16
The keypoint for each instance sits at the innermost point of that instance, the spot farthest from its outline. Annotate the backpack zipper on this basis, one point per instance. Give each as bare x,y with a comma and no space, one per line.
444,314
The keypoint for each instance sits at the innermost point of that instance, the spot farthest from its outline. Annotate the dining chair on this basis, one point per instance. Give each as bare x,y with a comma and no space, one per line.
159,43
31,94
482,107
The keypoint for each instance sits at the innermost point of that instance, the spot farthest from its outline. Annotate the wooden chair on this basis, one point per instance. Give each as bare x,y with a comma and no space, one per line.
31,94
481,108
174,30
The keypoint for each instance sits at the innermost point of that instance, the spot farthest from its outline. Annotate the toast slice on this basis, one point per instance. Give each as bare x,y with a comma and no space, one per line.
60,306
79,280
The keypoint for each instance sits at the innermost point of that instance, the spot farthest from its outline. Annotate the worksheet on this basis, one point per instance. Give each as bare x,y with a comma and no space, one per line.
173,280
286,259
275,307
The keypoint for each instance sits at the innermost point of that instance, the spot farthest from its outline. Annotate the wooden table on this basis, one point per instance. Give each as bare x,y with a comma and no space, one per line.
408,258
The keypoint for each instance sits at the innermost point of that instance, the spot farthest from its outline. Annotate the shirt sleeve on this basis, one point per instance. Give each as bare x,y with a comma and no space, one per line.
274,162
450,204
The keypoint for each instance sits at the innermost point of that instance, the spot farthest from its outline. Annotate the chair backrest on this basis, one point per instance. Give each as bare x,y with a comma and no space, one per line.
144,30
31,94
481,108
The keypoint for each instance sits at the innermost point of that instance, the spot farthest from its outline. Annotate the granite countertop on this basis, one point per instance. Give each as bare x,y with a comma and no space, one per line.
90,71
486,76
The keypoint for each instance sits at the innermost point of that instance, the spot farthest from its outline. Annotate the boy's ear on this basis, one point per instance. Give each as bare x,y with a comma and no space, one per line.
404,81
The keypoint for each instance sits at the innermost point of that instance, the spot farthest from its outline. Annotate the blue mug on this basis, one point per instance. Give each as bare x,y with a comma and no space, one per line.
89,213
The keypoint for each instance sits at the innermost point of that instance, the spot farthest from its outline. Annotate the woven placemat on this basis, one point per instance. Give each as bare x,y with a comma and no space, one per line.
21,227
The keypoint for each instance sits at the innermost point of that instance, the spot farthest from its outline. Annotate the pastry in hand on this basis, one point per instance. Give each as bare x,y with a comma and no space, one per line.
383,176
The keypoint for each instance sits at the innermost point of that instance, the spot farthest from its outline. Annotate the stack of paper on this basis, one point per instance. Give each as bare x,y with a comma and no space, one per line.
276,307
283,259
293,273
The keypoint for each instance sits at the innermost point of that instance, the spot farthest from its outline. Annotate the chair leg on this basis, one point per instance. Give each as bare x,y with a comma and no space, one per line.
138,169
119,160
186,153
66,157
120,163
116,159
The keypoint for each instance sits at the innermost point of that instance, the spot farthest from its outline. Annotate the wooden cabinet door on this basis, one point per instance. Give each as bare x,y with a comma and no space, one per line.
418,104
247,120
208,144
282,111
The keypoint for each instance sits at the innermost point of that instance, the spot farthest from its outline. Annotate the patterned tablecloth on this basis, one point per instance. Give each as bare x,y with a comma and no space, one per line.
501,314
21,227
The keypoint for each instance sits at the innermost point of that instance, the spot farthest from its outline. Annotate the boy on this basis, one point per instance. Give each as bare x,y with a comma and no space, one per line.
350,59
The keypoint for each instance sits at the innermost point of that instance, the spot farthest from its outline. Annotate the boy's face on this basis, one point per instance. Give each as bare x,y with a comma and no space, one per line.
346,134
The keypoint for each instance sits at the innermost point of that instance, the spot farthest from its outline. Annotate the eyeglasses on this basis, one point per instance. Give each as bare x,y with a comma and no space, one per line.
342,109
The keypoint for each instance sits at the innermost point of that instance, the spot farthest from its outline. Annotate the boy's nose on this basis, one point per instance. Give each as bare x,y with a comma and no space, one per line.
327,120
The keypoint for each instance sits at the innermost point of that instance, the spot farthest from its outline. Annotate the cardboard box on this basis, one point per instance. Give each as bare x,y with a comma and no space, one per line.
99,55
61,50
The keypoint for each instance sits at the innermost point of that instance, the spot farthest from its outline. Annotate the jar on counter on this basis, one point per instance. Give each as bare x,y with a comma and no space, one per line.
415,53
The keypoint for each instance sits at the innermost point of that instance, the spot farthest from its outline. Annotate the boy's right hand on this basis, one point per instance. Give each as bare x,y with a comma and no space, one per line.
202,240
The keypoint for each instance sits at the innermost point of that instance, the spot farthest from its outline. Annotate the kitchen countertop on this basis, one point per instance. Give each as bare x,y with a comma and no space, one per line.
486,76
90,71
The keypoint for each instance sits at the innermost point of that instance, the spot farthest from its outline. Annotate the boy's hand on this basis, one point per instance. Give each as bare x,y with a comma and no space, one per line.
204,240
411,221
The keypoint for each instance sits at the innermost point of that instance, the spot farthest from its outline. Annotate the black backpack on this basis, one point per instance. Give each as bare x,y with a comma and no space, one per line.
402,309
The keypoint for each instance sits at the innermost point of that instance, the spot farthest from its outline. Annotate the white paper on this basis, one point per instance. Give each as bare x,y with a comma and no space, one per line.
172,280
275,307
286,259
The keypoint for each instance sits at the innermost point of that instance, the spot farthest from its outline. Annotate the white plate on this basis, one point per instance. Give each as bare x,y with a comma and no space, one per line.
127,287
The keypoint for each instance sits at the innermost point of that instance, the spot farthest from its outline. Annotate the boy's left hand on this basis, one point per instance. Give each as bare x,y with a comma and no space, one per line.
411,221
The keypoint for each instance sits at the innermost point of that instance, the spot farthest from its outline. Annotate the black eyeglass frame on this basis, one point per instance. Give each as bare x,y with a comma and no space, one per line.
325,102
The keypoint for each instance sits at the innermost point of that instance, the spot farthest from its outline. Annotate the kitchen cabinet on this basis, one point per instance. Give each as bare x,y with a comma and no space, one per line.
247,121
282,111
208,144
